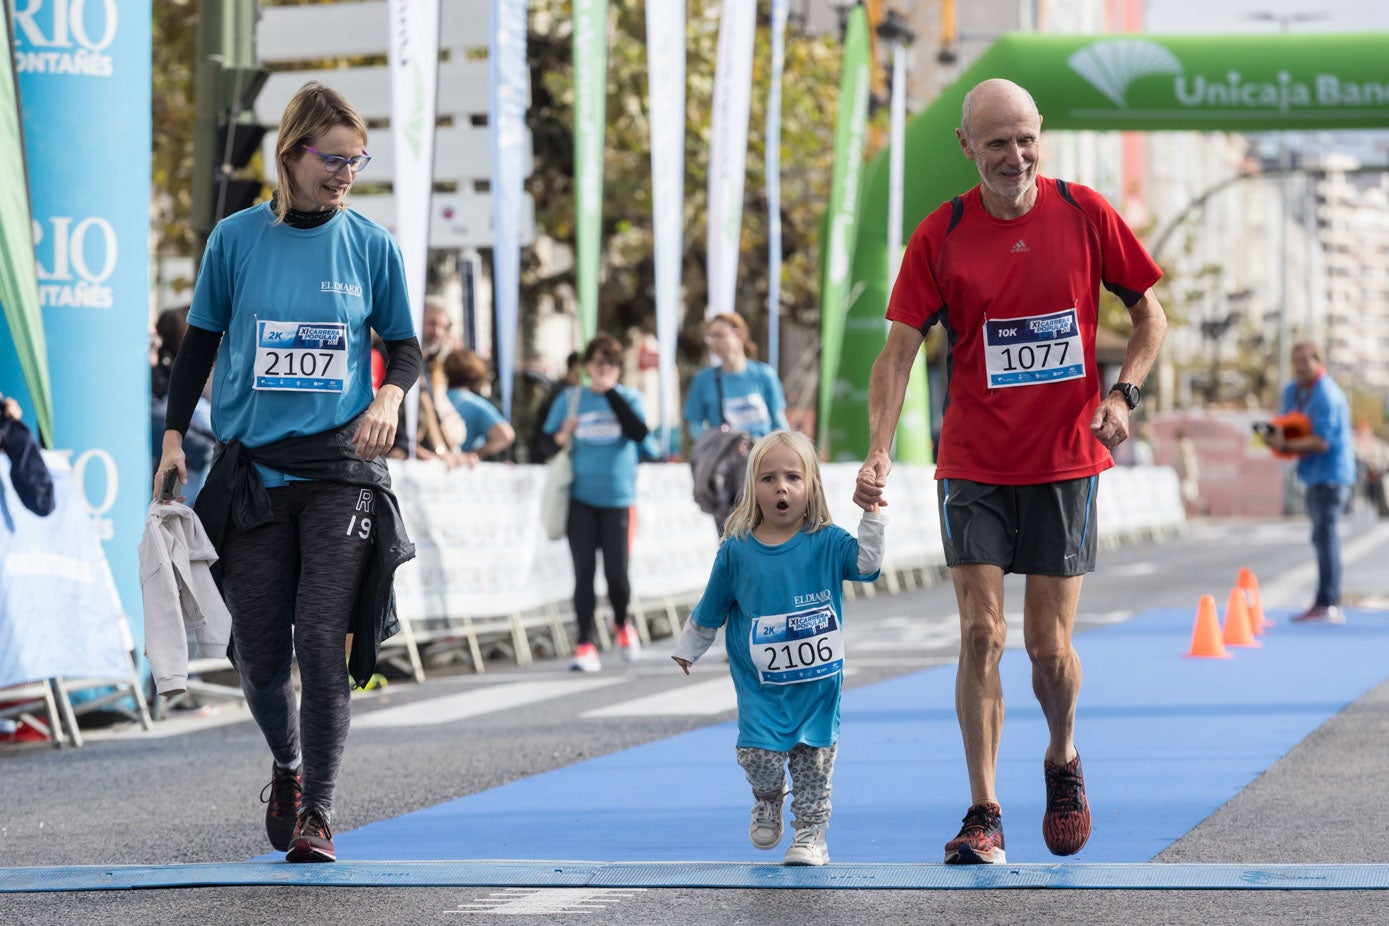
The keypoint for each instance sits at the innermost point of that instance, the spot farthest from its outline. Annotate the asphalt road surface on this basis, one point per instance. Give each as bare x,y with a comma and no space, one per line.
188,791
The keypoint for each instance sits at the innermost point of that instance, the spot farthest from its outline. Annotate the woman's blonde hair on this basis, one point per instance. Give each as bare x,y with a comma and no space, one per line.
747,515
313,110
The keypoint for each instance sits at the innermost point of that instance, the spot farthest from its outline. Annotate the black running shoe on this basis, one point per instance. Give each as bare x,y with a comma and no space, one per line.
313,839
281,798
981,838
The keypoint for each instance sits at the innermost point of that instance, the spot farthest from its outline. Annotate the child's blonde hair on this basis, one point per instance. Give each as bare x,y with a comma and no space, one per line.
747,515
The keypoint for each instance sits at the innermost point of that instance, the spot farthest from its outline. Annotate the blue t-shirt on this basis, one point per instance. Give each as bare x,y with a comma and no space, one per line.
477,413
752,400
1325,404
605,459
783,606
297,306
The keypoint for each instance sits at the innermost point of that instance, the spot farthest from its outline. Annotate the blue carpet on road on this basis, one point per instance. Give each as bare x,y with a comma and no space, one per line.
1166,741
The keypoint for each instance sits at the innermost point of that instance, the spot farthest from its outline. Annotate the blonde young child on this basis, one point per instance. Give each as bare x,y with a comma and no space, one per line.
777,586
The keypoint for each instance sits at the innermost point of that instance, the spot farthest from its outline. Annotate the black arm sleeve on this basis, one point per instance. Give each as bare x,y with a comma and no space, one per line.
404,363
633,427
197,352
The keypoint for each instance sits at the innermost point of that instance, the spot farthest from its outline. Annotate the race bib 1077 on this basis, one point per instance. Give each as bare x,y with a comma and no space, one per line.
802,646
1033,349
301,356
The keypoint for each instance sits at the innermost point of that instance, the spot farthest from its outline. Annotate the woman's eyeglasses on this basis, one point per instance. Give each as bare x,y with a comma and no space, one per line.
333,163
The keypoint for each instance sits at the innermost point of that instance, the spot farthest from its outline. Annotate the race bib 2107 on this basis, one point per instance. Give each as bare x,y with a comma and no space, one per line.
301,356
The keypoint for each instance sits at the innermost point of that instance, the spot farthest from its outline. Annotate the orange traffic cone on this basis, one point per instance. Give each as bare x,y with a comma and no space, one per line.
1205,636
1257,621
1237,629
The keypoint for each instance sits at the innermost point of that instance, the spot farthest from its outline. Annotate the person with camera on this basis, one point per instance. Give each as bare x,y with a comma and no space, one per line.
1321,441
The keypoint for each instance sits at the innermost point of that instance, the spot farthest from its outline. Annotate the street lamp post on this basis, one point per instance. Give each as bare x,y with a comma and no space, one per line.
1284,22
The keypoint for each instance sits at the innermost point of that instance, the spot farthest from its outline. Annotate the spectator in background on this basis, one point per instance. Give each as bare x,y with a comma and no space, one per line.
543,445
199,442
378,361
1141,453
739,392
439,431
533,386
1372,457
609,435
1326,466
28,473
1189,474
488,433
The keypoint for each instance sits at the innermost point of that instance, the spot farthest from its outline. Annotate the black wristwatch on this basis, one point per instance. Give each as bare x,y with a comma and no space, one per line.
1133,396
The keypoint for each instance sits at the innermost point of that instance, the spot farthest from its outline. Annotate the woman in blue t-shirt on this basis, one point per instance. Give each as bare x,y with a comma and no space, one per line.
606,423
488,432
298,501
740,392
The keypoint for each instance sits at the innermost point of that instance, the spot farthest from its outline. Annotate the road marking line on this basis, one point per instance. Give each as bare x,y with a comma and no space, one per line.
532,901
1293,586
478,701
696,700
700,699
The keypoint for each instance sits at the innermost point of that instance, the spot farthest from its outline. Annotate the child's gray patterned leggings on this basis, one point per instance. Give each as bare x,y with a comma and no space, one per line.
812,767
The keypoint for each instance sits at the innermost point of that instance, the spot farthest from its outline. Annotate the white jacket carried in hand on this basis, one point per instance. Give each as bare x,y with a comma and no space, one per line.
179,593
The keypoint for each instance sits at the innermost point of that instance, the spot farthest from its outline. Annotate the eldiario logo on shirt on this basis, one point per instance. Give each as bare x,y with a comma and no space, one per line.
333,287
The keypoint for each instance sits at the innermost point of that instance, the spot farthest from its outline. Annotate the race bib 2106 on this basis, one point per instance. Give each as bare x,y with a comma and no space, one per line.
801,646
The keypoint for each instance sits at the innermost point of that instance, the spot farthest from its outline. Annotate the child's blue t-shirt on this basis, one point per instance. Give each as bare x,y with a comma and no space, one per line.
753,400
605,459
478,414
297,306
783,606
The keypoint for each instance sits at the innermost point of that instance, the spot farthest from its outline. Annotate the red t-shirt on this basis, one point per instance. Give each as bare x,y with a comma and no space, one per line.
1019,301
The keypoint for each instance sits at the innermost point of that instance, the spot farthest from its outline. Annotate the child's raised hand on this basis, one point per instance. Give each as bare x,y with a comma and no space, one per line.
684,664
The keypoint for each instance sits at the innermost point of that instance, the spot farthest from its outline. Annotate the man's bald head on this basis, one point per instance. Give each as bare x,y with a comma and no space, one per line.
994,95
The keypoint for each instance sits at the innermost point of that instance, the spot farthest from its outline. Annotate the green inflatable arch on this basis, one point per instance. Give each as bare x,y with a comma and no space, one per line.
1225,83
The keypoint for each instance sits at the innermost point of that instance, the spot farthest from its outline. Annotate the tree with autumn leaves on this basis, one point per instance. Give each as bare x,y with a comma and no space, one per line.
627,275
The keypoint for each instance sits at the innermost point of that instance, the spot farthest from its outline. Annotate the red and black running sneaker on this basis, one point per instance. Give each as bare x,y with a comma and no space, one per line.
1066,824
281,798
981,838
313,839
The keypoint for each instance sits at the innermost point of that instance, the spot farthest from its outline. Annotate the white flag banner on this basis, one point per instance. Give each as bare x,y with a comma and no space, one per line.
772,160
897,161
509,84
414,65
665,62
728,150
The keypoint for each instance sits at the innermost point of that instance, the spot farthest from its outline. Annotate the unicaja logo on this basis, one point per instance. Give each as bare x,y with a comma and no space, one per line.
1112,65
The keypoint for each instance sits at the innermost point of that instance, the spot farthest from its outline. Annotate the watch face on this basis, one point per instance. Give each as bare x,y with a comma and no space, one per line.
1131,394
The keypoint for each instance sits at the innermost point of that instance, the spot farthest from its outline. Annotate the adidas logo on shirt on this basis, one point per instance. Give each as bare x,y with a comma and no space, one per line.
1020,247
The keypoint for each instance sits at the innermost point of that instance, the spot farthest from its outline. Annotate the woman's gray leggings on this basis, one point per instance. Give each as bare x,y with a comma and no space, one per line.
291,586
